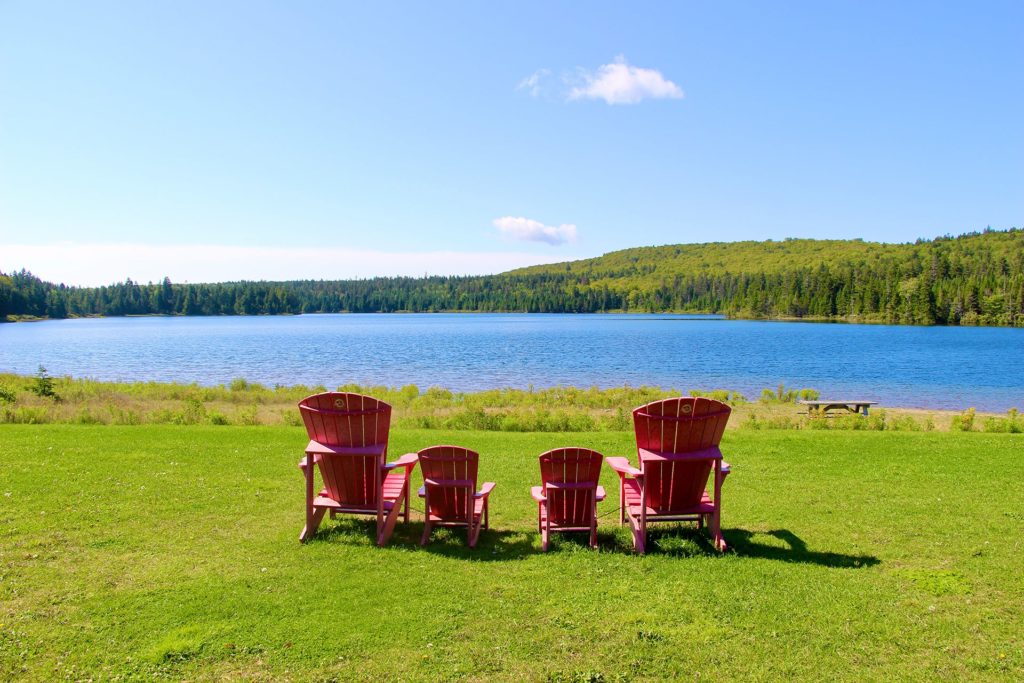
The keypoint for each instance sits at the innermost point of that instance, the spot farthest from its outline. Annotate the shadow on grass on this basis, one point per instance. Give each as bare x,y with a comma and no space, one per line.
492,545
743,544
501,545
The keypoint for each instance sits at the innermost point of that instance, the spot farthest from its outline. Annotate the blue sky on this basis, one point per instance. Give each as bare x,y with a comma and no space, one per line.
226,140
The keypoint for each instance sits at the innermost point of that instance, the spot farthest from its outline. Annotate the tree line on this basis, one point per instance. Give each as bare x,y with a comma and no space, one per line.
973,279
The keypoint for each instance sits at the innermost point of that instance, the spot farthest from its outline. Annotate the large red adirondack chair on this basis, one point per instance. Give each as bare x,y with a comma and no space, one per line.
677,446
449,491
569,493
349,442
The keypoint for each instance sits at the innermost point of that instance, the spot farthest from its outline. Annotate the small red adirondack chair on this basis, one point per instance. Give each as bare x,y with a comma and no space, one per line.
569,493
677,446
349,442
449,491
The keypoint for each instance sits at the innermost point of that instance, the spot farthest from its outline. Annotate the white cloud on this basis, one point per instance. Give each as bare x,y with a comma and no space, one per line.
529,230
620,83
104,264
532,82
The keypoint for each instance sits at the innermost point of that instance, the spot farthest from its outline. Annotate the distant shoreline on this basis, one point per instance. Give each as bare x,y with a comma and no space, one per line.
847,320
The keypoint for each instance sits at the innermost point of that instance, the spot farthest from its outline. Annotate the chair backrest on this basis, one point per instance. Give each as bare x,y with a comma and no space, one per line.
449,475
676,426
570,477
347,420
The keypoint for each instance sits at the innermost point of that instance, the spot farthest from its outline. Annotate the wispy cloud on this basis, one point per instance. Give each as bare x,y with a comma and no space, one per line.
529,230
532,83
620,83
104,264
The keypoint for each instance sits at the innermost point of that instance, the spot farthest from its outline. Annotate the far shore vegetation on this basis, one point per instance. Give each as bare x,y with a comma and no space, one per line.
972,279
42,399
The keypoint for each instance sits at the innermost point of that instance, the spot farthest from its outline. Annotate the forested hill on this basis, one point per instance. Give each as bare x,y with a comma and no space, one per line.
973,279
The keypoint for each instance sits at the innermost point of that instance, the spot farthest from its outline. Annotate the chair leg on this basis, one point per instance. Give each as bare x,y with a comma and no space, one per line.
716,515
716,531
639,529
384,531
312,524
544,526
593,525
312,521
622,501
426,530
408,490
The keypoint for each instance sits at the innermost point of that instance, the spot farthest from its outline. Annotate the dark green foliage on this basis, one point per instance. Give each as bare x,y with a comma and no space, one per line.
42,385
973,279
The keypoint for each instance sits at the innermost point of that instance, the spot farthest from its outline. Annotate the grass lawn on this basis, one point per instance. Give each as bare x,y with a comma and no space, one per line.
171,551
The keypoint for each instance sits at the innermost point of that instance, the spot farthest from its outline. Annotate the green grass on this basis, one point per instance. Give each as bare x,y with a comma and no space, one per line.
171,551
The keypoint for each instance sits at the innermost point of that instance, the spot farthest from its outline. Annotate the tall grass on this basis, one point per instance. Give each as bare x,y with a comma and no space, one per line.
558,409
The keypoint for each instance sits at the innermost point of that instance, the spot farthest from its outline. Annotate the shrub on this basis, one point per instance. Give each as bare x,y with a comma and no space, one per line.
123,416
42,385
217,418
192,412
724,395
291,417
1011,424
239,384
25,415
7,394
248,416
905,423
963,422
783,395
86,417
754,421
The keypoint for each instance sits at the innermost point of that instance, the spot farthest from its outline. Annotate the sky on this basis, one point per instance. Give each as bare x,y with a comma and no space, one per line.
216,141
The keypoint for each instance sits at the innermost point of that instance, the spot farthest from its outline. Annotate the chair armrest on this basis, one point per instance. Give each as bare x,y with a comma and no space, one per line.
712,453
304,459
485,490
537,493
408,460
323,449
622,466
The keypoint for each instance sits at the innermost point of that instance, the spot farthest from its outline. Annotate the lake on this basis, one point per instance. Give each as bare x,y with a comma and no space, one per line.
927,367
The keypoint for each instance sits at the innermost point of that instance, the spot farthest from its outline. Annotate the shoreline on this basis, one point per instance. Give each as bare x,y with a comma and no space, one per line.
832,320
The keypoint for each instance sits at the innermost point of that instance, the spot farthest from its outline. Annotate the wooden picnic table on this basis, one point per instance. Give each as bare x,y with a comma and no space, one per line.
823,407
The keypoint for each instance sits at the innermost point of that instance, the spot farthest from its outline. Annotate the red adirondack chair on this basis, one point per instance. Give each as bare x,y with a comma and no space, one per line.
449,491
349,443
568,495
677,446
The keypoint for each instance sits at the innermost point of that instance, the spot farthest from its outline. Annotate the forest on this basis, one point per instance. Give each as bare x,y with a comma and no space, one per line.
972,279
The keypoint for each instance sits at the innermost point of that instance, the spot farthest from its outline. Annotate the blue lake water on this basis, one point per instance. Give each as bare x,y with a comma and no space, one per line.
928,367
